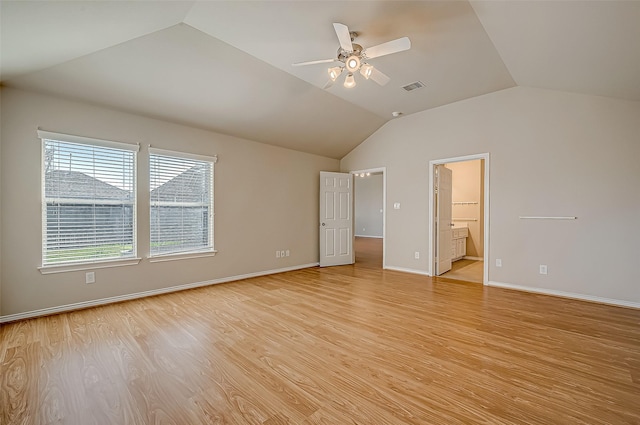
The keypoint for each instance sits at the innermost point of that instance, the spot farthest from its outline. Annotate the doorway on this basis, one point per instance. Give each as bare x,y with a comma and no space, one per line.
369,217
469,217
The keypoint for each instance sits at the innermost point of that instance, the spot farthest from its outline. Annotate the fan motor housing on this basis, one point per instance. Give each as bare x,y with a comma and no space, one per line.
343,54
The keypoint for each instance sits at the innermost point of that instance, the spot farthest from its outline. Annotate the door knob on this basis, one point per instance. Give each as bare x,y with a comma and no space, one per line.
323,224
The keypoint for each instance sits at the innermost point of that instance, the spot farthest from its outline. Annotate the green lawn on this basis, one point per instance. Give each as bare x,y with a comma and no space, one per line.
102,252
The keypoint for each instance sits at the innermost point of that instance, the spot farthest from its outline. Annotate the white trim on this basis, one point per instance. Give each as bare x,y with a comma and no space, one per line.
367,236
467,257
60,137
127,297
180,256
106,264
406,270
383,170
486,224
178,154
562,294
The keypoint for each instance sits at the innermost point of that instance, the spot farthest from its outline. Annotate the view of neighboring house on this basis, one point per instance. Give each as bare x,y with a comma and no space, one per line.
76,221
181,204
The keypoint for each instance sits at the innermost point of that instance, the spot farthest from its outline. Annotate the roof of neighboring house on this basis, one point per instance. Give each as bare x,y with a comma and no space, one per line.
74,184
188,186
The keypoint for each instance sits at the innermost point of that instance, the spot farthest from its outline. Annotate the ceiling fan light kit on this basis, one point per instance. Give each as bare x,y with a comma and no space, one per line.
366,70
353,63
354,57
349,82
335,72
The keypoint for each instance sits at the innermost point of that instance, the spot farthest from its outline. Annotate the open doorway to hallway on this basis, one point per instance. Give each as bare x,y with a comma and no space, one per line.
467,219
369,217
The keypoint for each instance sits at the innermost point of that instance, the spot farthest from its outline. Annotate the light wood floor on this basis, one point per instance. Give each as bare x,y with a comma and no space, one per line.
340,345
467,270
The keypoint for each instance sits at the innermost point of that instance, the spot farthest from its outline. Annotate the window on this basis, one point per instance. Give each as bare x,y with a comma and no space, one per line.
181,202
89,200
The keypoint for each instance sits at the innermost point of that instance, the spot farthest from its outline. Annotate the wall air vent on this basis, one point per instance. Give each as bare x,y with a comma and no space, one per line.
414,86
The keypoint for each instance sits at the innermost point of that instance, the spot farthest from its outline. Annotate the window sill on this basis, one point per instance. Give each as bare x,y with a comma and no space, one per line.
185,256
64,268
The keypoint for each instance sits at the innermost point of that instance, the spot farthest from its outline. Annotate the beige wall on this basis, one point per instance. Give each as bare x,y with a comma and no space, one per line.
467,187
551,154
266,198
368,197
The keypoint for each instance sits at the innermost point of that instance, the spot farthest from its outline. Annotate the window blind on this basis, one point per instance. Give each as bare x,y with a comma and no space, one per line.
89,202
181,203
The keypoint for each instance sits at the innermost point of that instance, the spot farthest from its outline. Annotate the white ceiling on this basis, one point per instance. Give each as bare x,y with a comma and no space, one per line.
226,65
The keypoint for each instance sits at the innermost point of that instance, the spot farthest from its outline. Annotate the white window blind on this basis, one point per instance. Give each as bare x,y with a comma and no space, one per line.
181,202
89,200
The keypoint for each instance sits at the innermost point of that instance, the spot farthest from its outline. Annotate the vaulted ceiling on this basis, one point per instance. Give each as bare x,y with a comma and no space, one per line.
226,65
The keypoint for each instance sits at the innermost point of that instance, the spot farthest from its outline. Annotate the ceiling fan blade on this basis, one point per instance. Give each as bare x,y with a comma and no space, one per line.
342,31
379,77
328,84
389,47
314,62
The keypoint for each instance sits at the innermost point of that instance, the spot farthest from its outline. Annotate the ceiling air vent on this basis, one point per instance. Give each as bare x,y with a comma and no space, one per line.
414,86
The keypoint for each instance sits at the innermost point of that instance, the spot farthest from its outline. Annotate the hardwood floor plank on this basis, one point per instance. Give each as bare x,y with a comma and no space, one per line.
340,345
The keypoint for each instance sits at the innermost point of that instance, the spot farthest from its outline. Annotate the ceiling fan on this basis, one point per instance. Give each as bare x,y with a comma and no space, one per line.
354,58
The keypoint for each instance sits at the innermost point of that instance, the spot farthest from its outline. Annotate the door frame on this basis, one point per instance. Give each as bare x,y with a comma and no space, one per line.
432,239
384,207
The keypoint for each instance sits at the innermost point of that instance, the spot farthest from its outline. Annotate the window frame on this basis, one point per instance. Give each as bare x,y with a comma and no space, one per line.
86,264
208,251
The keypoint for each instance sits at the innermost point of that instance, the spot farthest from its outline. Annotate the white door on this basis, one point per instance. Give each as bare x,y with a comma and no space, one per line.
443,179
336,219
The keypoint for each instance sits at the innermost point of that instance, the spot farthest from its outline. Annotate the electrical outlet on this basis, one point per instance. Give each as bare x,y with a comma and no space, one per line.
416,255
364,229
277,254
396,206
286,253
498,262
543,269
90,277
282,253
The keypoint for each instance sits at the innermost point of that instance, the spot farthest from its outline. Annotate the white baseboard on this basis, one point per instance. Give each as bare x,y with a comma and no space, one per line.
571,295
368,236
466,257
127,297
405,270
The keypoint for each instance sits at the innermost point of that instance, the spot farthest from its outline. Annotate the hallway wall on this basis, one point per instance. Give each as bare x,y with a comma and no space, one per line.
368,205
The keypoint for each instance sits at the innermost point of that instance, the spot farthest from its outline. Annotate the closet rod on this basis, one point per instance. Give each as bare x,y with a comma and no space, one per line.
547,218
